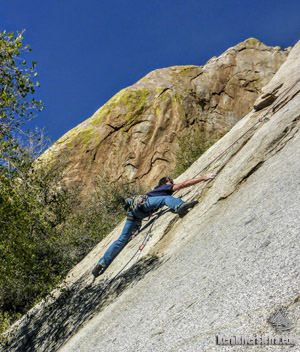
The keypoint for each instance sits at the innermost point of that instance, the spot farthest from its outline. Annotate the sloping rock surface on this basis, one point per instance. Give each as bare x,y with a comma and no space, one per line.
225,268
136,133
233,261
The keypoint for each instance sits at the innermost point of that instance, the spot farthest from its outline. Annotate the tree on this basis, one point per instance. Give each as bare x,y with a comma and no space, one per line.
17,107
45,228
17,102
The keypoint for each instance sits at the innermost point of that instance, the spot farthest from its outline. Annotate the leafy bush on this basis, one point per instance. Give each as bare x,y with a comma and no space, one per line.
45,228
191,145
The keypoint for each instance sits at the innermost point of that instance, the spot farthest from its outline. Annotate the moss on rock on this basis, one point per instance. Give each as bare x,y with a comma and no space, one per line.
126,104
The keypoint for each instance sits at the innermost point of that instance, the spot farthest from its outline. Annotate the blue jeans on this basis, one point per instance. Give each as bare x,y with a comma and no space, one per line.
133,224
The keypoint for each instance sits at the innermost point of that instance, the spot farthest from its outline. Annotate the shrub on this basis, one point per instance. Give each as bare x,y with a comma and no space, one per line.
45,230
191,145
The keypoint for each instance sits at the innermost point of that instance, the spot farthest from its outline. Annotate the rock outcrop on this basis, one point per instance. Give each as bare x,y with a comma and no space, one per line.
135,134
224,269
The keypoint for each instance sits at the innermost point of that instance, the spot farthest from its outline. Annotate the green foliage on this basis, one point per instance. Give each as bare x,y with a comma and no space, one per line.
31,210
191,145
46,229
17,84
17,103
17,107
91,220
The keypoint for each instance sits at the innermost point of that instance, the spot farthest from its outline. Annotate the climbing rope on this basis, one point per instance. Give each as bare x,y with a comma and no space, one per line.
163,211
140,248
260,120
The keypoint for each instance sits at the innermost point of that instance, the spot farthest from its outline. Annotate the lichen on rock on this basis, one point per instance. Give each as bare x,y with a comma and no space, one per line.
143,123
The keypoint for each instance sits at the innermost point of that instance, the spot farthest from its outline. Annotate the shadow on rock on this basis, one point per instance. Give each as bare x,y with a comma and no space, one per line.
49,327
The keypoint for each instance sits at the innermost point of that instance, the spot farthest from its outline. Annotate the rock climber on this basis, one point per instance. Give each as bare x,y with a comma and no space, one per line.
152,201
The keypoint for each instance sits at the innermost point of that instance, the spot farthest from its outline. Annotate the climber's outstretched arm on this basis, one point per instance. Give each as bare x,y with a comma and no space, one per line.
192,182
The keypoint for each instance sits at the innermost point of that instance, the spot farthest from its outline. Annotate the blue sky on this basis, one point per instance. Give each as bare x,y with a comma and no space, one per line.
89,50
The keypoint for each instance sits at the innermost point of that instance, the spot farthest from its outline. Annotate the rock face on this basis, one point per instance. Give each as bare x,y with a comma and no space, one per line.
224,269
135,134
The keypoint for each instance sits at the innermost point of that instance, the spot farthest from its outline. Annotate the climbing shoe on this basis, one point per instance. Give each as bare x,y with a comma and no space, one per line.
98,270
184,207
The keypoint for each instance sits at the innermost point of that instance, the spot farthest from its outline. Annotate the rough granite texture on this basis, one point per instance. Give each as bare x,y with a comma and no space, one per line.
225,268
136,132
236,261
